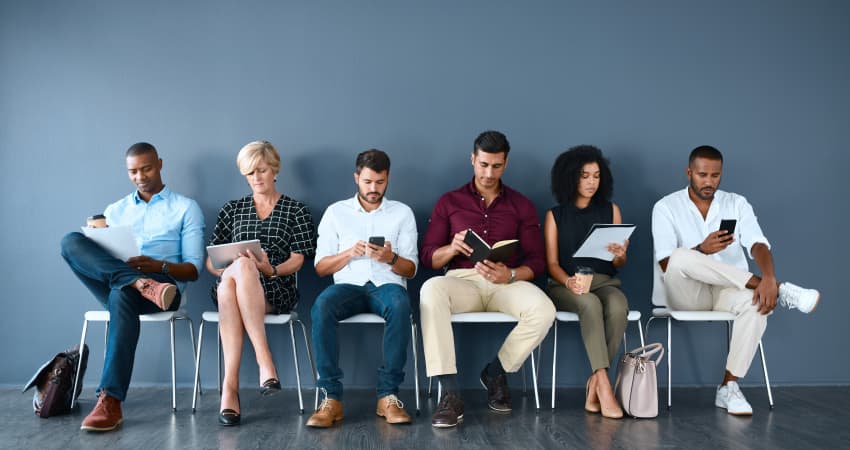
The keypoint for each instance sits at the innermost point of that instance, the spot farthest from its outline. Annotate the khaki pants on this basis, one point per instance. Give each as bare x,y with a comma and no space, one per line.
603,315
698,282
464,290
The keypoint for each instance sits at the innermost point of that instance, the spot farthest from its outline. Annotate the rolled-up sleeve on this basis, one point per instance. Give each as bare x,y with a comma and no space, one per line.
327,242
749,231
406,246
531,239
192,236
664,239
438,232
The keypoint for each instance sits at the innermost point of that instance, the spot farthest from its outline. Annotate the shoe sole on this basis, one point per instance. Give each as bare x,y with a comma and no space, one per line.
817,301
743,413
492,408
323,426
448,425
91,428
167,297
403,421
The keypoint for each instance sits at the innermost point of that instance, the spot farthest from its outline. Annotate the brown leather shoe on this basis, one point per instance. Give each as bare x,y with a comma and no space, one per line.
105,416
449,411
392,409
329,412
161,294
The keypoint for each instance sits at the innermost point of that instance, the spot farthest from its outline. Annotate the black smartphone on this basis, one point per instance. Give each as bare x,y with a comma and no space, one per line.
728,225
377,240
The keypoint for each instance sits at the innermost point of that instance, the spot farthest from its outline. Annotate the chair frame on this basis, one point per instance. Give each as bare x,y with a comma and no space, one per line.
494,317
568,317
164,316
367,318
270,319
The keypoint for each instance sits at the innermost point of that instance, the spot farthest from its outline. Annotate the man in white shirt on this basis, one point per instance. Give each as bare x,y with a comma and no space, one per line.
704,271
370,276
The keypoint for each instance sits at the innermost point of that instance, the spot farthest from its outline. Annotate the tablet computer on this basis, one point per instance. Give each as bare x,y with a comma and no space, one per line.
223,254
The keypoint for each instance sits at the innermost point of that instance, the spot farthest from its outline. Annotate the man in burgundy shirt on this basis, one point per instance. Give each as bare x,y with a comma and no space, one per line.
495,212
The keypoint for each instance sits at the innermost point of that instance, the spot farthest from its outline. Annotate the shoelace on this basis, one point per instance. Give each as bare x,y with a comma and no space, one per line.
325,403
736,392
393,400
444,404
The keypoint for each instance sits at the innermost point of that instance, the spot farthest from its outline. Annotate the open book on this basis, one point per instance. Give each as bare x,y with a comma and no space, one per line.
501,251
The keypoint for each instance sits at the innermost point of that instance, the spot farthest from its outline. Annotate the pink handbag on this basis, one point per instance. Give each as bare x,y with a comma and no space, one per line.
636,387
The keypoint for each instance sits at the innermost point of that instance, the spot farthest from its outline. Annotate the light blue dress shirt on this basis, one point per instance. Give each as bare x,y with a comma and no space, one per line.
170,227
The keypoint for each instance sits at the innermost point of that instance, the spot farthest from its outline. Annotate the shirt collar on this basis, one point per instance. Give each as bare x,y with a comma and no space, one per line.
470,187
163,194
355,203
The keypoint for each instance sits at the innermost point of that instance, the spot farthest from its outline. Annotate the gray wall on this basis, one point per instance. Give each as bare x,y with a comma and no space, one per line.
766,82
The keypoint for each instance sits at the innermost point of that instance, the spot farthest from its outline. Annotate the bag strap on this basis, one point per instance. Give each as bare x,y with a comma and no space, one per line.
649,350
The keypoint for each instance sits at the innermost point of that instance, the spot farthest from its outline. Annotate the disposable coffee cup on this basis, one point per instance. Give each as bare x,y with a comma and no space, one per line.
96,221
584,276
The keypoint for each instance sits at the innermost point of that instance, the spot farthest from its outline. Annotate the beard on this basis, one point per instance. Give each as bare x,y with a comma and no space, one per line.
370,197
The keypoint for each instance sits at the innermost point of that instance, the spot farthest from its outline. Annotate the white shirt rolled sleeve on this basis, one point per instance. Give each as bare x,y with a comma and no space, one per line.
677,222
346,222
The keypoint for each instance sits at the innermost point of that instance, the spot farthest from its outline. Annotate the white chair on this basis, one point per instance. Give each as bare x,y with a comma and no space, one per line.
164,316
374,318
270,319
659,299
565,316
493,317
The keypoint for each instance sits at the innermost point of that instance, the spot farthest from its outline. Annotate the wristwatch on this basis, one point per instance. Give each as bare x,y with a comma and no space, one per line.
164,268
513,276
394,260
273,275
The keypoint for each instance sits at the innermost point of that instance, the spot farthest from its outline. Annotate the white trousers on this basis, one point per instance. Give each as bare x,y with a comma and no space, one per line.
698,282
464,290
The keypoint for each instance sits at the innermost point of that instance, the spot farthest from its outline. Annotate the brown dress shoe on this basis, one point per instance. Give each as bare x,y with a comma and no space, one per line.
392,409
161,294
329,412
449,411
105,416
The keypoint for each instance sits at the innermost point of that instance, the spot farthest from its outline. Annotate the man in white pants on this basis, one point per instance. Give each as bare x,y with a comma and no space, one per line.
704,271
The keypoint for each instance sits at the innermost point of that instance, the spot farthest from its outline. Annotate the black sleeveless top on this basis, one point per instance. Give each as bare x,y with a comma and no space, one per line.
573,224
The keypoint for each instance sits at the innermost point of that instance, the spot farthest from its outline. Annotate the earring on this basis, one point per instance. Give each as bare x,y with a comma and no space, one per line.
275,179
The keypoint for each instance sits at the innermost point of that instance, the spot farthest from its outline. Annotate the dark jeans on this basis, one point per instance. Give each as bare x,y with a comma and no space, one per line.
110,280
341,301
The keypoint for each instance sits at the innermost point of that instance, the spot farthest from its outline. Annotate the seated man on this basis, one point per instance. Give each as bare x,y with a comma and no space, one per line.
495,212
704,271
169,229
368,243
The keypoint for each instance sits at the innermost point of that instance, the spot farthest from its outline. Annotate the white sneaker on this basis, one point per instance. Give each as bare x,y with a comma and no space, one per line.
732,399
792,296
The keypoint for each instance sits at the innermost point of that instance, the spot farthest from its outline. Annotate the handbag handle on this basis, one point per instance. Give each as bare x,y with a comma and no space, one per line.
649,350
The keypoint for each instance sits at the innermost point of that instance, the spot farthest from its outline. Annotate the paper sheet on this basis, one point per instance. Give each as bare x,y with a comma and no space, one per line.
595,244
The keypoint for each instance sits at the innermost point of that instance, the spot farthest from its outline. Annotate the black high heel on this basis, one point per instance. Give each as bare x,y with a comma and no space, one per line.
270,387
229,417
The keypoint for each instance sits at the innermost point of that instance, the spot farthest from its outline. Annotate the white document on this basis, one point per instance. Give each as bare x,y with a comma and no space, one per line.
596,242
118,241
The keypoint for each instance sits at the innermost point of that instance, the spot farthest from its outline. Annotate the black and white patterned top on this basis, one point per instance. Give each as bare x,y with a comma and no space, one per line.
288,229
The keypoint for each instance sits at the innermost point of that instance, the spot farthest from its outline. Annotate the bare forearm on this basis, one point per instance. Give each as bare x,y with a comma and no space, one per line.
291,265
330,265
764,260
183,271
404,267
442,256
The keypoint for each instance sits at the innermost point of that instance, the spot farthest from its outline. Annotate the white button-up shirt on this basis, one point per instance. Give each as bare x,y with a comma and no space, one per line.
346,222
677,222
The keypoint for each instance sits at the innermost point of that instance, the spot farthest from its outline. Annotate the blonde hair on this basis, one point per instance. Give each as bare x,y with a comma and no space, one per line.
253,153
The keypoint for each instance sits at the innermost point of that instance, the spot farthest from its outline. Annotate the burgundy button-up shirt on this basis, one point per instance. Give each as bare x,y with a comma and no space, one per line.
510,216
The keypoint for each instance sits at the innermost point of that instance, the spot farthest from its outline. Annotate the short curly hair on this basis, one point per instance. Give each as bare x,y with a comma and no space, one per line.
566,173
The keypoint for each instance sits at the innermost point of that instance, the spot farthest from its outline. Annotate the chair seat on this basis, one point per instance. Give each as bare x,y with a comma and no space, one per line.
164,316
566,316
364,318
483,317
270,319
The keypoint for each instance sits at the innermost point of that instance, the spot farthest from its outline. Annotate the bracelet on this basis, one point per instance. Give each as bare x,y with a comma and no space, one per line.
274,273
699,249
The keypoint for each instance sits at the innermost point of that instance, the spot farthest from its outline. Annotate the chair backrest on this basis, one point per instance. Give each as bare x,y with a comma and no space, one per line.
659,295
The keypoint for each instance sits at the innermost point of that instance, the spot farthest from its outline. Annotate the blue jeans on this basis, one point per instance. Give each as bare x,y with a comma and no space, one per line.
341,301
110,280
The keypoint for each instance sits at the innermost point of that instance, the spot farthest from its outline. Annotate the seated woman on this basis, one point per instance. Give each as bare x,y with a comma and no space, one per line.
582,185
254,285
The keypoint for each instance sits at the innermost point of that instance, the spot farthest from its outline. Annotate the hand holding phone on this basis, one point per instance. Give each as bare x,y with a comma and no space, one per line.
728,225
377,240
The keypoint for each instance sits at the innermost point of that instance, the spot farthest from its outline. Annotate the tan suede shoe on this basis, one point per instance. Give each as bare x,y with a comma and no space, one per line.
392,409
105,416
329,412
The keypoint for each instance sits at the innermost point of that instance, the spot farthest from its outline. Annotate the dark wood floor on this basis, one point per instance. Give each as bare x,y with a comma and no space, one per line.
803,418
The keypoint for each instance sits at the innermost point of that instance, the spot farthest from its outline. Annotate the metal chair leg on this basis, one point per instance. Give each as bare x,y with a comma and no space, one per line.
414,341
554,360
194,348
198,365
766,378
297,369
173,369
79,365
640,331
534,382
669,358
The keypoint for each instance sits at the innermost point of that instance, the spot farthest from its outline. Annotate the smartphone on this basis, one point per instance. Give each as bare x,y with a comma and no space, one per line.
377,240
728,225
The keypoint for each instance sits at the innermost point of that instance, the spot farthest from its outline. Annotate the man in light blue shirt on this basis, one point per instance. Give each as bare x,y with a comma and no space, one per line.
169,231
368,243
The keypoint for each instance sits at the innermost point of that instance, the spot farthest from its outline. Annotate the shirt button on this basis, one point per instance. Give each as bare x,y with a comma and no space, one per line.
485,231
485,216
